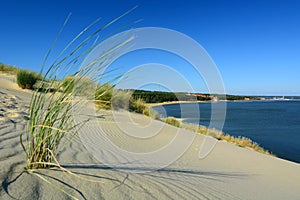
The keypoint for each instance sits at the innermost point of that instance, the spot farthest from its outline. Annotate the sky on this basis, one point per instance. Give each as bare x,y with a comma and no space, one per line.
255,44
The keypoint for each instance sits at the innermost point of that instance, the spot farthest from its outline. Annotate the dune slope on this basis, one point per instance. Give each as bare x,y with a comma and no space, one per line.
228,172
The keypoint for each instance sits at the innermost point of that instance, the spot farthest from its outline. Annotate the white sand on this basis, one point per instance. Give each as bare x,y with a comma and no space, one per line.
229,172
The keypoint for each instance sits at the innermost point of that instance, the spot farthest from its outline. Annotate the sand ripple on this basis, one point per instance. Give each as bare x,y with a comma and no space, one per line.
229,172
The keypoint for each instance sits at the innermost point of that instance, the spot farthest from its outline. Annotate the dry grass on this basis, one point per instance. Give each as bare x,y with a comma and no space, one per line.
140,106
8,69
239,140
172,121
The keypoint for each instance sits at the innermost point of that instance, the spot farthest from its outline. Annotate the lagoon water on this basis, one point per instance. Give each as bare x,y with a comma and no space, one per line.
275,125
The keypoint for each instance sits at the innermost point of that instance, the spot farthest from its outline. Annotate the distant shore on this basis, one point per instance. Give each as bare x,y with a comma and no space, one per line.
238,101
174,102
180,102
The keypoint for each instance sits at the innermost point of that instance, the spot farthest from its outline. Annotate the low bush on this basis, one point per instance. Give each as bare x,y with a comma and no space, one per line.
26,79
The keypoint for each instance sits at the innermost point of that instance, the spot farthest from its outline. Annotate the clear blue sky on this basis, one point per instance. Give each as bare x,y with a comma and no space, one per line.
255,44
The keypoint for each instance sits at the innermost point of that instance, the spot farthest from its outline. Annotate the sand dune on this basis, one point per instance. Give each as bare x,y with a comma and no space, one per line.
228,172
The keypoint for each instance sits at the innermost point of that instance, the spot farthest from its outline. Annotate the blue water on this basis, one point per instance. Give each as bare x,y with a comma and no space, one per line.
275,125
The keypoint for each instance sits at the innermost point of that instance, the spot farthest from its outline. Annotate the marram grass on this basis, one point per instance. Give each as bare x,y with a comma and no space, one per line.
172,121
52,102
219,135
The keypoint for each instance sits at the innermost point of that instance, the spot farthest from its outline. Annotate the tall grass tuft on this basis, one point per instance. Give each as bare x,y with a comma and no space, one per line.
103,96
140,106
51,114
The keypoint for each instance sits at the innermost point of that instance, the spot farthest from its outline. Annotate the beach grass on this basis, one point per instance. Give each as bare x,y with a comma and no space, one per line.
240,141
52,103
8,69
140,106
172,121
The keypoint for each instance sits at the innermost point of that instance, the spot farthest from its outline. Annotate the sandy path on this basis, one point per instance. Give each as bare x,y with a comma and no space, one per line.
229,172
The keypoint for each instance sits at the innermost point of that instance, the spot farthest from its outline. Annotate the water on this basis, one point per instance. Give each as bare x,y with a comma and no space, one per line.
275,125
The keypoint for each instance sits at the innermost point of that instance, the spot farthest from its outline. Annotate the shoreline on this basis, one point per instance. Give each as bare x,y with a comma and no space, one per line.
234,137
174,102
229,101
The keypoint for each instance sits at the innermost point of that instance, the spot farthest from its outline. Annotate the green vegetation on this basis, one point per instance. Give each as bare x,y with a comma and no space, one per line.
45,137
103,96
159,97
8,69
172,121
51,114
239,141
139,106
236,97
154,96
109,98
26,79
243,142
68,84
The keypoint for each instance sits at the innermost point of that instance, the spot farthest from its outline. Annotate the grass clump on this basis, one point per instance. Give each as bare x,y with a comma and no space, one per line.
173,121
240,141
68,84
107,97
243,142
26,79
103,96
8,69
52,114
140,106
51,119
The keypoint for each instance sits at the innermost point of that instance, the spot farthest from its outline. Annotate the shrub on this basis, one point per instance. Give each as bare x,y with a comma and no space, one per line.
173,121
27,79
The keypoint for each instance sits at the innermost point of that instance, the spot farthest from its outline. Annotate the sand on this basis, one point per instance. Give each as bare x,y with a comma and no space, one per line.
228,172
